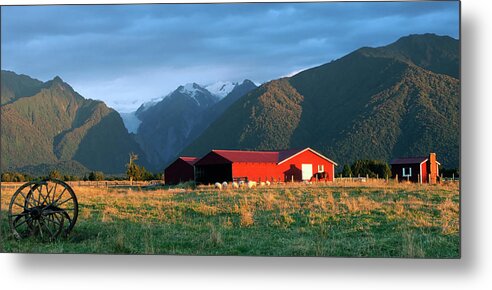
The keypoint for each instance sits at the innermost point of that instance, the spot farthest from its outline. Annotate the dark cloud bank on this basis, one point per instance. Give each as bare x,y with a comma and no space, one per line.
128,54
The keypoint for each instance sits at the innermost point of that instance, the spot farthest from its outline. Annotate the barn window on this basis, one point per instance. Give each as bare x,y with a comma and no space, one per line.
407,172
321,168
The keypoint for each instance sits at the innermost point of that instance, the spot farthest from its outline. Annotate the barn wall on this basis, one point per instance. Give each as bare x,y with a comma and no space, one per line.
293,167
212,158
425,172
397,169
179,171
255,171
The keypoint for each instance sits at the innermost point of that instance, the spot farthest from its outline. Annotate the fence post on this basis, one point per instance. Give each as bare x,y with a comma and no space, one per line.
429,181
396,178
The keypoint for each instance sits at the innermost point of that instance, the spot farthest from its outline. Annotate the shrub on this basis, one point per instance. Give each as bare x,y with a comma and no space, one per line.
96,176
372,168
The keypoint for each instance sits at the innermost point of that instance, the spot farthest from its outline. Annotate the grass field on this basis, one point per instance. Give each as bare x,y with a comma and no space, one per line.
341,219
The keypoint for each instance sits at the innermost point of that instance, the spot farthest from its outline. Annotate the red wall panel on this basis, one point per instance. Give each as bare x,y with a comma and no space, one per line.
255,171
293,166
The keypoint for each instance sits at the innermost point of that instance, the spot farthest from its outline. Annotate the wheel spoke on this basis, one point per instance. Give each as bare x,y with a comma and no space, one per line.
58,211
20,214
53,221
60,221
66,200
26,199
39,195
40,190
23,206
59,197
46,226
40,229
53,192
30,197
24,221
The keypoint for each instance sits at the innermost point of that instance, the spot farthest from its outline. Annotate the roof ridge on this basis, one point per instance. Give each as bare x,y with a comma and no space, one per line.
253,151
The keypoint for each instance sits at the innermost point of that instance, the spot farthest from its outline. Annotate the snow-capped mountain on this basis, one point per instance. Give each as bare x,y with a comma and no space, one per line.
152,102
221,88
203,96
199,94
165,126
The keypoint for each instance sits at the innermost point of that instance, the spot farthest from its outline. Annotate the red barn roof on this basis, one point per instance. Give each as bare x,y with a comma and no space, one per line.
263,156
189,160
410,160
248,156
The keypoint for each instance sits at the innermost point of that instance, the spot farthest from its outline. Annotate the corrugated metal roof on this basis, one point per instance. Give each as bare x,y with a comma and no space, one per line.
249,156
189,160
257,156
284,154
409,160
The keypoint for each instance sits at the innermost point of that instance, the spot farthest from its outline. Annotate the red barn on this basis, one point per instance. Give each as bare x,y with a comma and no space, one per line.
416,169
286,165
180,170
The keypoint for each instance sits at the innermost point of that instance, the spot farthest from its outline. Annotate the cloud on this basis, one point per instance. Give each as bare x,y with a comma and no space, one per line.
128,54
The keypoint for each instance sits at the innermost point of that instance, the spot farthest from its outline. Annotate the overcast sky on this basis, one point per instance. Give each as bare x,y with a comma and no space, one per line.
128,54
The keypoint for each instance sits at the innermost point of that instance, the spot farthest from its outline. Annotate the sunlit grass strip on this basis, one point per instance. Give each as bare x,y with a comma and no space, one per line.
372,219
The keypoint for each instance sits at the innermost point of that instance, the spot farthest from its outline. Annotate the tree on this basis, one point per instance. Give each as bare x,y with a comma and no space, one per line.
96,176
133,171
6,177
14,177
54,174
371,168
346,172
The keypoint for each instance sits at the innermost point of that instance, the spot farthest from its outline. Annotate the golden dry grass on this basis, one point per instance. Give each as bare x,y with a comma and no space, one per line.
312,219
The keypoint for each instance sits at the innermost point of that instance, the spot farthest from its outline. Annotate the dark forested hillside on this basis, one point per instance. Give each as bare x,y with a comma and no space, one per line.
375,103
46,123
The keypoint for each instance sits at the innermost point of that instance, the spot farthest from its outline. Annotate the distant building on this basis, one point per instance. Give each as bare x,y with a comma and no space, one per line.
180,170
286,165
416,169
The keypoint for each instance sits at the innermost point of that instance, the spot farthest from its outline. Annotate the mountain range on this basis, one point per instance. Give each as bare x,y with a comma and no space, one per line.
46,123
173,123
402,99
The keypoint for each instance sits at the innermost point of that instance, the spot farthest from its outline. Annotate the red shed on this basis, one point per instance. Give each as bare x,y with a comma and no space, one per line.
416,169
305,165
180,170
286,165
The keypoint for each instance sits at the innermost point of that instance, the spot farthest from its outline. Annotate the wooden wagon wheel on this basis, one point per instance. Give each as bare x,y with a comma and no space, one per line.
45,209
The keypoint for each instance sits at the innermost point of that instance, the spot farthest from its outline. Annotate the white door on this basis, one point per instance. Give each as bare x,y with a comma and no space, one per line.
307,171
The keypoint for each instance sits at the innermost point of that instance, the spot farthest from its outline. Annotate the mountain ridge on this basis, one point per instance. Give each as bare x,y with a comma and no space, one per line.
172,123
323,109
57,124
